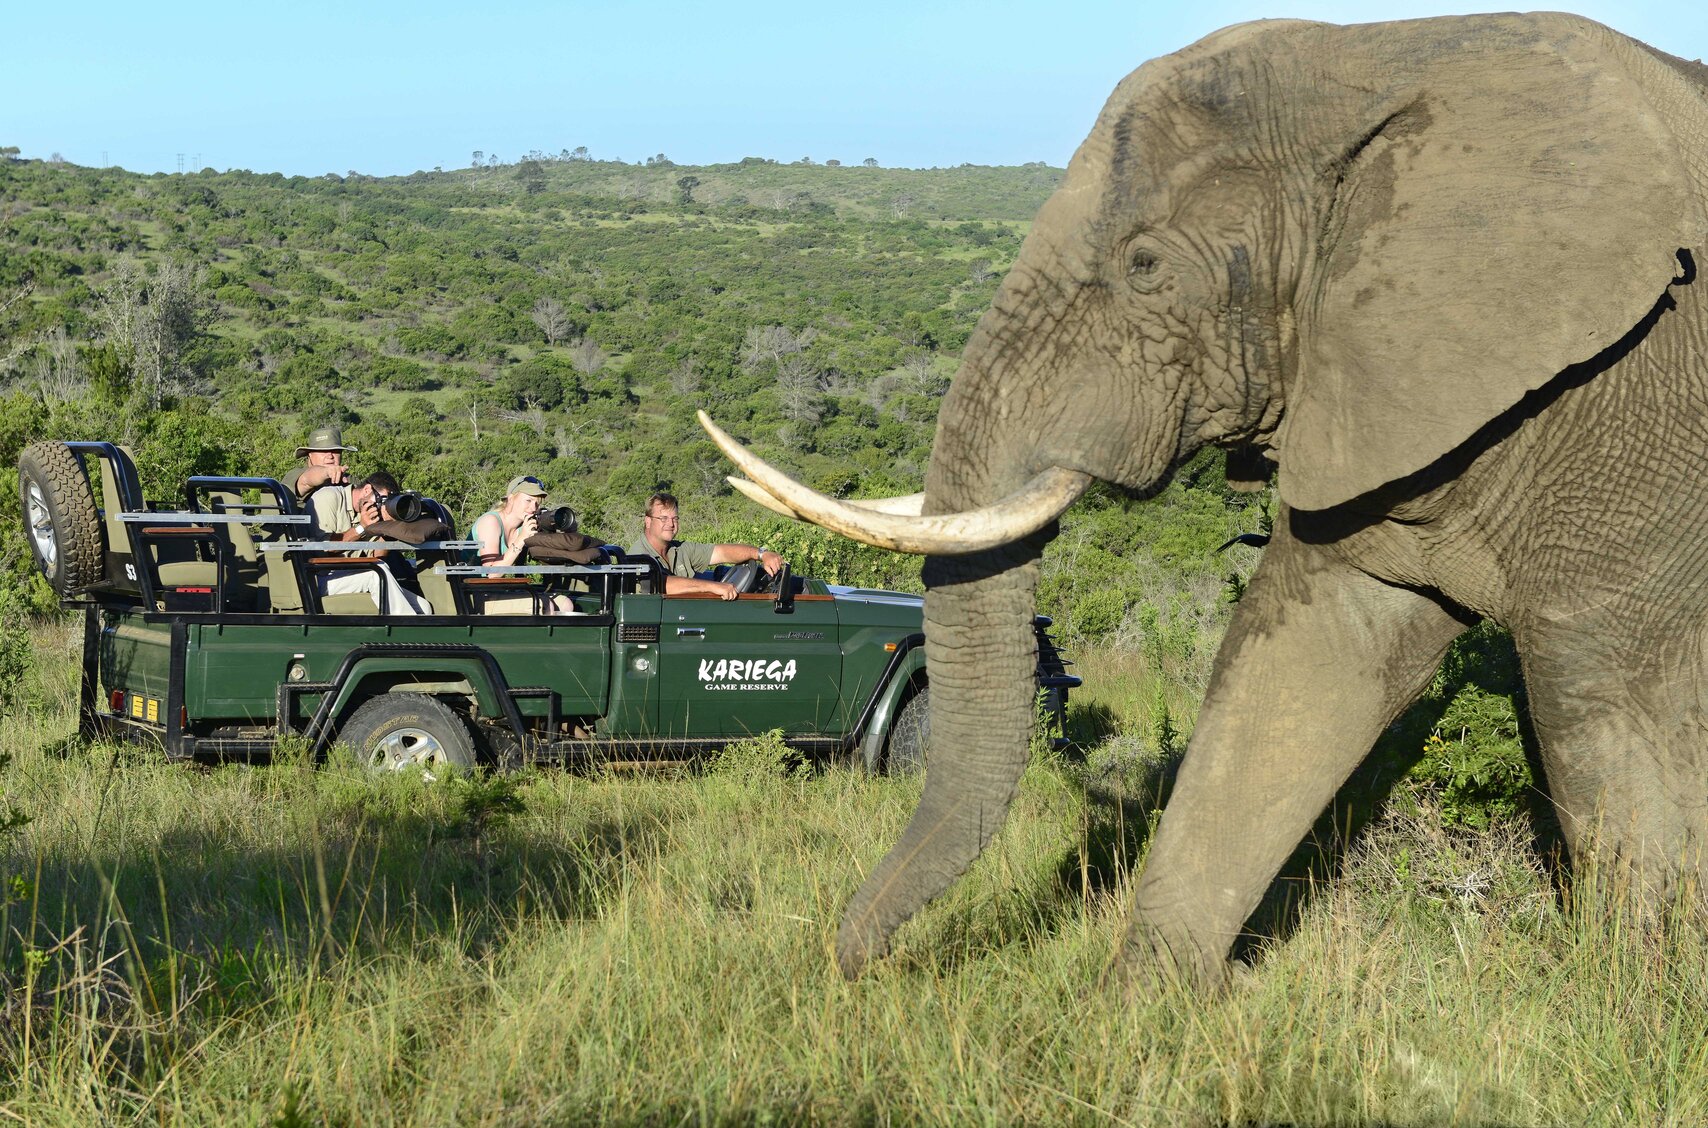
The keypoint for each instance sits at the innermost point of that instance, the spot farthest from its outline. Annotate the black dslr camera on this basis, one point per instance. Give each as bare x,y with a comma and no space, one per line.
405,505
557,519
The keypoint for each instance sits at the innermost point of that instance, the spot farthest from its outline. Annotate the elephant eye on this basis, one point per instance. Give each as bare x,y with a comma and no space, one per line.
1145,271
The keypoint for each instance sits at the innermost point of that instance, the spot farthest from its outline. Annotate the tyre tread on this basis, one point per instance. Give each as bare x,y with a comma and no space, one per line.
421,710
77,529
904,752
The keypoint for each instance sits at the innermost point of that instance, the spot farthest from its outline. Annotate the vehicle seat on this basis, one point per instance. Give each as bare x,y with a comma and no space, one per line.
175,560
284,592
243,583
501,595
436,587
112,504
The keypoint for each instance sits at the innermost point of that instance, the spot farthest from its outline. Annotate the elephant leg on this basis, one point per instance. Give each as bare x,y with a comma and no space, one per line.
1624,734
1319,658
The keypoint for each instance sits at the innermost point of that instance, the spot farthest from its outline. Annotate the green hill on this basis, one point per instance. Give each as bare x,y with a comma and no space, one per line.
563,317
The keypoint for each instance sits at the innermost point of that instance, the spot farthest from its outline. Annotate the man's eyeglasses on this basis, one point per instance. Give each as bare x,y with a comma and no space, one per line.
671,520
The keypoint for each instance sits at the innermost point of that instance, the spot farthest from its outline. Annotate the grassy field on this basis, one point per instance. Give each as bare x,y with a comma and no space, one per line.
293,945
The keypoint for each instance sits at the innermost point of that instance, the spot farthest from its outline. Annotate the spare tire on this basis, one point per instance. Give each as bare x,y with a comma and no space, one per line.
61,521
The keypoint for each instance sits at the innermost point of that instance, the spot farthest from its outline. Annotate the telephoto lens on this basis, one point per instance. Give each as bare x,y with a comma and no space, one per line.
404,505
558,519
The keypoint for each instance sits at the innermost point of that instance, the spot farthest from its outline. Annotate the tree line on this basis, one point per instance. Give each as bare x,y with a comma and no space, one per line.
565,319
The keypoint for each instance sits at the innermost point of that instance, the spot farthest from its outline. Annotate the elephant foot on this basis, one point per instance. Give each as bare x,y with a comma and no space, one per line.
1152,960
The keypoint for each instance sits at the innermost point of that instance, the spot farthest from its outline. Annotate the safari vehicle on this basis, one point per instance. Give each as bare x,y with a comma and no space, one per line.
204,630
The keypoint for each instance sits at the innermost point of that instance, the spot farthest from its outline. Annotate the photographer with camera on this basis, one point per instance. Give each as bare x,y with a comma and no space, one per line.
346,513
521,530
503,532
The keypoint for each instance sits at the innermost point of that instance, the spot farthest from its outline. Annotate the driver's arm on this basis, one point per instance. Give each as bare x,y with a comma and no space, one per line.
742,553
685,585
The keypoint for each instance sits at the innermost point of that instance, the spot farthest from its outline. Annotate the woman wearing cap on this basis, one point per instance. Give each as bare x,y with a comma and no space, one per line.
503,532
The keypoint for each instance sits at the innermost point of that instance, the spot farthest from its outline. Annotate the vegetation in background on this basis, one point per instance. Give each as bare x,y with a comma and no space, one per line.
301,945
560,315
567,316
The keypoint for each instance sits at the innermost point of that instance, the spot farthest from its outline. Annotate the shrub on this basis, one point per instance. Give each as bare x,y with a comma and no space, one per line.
15,653
16,658
762,757
1475,759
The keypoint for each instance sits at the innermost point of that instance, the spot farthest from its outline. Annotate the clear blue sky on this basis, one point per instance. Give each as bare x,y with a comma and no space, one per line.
311,86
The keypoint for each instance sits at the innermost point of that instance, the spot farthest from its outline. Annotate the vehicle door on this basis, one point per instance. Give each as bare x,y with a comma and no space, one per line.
738,668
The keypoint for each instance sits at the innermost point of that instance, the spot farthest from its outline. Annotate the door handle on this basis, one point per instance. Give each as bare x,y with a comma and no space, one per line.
691,632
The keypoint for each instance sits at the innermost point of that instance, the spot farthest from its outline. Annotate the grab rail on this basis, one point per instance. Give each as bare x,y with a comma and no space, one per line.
216,518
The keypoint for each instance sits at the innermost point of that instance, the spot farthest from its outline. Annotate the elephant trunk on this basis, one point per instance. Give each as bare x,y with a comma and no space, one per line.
981,652
993,495
981,655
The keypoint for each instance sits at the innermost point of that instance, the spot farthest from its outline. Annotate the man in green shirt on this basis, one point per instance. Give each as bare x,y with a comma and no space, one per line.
681,559
324,452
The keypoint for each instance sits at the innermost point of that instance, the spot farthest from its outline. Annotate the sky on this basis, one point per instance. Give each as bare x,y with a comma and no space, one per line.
386,88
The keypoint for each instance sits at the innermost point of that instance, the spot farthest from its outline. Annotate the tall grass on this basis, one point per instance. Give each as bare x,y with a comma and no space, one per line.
289,945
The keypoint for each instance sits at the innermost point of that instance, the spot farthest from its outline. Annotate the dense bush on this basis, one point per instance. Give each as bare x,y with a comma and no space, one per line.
1474,759
467,326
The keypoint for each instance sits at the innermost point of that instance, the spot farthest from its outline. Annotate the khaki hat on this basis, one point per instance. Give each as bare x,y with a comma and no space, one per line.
324,438
525,484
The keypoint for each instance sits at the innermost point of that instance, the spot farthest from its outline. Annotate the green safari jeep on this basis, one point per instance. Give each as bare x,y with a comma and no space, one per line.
204,629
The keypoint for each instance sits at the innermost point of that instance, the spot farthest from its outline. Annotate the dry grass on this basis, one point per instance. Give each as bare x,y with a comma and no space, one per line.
289,945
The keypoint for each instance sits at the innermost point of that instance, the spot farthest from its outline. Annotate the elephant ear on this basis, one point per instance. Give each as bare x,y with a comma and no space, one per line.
1498,218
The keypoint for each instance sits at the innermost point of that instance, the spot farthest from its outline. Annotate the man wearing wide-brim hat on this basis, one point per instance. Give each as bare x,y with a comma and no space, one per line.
324,452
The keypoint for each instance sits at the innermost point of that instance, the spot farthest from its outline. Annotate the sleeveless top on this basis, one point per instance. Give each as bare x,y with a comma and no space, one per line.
503,542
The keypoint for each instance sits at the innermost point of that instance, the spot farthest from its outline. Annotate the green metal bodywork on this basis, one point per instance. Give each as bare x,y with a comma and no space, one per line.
674,670
828,666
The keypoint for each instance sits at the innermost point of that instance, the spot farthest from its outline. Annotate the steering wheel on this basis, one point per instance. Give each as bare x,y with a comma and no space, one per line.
745,577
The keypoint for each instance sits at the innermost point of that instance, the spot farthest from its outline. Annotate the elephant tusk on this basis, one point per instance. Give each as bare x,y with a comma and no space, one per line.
758,496
902,505
905,505
1022,512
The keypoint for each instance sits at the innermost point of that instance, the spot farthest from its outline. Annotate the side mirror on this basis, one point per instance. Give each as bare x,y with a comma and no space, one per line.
785,604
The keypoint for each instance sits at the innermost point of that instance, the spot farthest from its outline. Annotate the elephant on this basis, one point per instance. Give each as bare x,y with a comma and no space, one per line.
1436,280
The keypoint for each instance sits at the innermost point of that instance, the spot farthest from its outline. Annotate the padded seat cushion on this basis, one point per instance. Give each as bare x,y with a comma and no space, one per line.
188,573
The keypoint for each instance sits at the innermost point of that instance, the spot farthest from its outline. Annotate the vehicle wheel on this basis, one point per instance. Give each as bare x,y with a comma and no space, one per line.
395,731
61,520
910,734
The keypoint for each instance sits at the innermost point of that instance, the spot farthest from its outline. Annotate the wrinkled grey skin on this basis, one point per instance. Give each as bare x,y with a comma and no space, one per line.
1441,273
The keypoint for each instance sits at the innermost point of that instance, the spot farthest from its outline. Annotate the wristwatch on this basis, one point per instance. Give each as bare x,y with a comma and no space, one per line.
361,529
